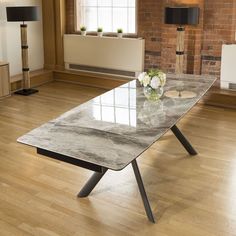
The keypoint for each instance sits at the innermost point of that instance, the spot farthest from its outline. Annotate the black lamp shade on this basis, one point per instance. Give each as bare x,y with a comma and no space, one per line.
182,15
24,13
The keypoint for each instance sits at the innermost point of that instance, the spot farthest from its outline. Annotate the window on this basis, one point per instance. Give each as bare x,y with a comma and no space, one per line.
108,14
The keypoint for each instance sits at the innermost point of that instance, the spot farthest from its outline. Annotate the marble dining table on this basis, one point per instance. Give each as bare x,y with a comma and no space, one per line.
112,130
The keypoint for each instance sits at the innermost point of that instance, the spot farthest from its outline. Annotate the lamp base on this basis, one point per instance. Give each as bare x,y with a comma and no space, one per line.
26,92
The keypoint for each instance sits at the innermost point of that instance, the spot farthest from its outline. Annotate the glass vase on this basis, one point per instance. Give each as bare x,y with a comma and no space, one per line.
153,94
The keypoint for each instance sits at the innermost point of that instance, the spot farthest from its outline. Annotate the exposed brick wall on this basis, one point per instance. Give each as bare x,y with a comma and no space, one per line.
219,28
202,43
165,40
149,27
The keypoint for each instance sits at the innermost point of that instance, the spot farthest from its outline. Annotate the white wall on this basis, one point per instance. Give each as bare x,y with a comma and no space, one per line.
10,43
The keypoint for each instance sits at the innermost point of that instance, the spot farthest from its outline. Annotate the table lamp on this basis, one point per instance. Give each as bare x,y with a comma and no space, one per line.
24,13
181,16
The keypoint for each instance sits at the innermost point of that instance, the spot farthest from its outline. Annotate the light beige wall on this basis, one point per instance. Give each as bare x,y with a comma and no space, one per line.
10,47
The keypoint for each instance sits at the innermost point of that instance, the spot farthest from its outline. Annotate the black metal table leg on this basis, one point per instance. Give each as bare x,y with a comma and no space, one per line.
142,191
183,140
90,185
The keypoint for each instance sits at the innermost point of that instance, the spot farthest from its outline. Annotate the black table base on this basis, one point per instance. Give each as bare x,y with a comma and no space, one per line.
189,148
91,184
143,192
101,171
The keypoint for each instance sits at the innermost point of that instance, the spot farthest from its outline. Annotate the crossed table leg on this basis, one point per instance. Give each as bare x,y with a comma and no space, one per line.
96,177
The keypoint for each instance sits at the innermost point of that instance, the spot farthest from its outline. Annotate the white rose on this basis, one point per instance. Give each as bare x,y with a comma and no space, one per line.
141,77
146,80
155,82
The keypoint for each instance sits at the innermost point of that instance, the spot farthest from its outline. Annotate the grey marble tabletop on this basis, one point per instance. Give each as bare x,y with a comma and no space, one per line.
113,129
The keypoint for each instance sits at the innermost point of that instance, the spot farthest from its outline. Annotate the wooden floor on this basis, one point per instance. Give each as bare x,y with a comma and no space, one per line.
189,196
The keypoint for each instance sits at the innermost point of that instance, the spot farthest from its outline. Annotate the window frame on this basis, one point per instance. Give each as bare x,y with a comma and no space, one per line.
132,35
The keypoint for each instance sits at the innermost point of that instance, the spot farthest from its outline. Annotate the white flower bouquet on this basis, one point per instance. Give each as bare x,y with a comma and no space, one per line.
153,82
153,79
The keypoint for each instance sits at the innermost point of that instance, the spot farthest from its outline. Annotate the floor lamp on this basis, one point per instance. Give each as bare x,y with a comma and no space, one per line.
181,16
23,14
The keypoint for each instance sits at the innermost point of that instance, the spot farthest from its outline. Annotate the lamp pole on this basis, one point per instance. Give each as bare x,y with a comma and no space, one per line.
25,57
179,66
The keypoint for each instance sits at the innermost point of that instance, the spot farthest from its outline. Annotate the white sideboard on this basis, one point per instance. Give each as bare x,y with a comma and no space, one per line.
228,67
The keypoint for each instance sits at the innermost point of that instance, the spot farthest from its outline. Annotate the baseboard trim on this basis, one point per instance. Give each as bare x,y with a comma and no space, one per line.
220,98
37,78
91,79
